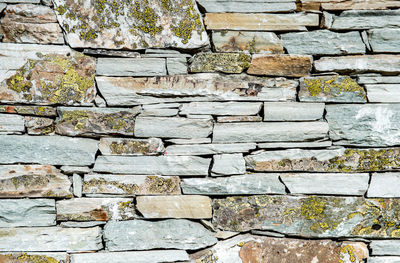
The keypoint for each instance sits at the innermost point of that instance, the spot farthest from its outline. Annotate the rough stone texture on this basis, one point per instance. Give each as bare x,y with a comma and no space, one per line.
153,165
243,6
155,256
331,89
384,185
336,5
207,149
219,62
258,183
293,111
77,185
274,145
33,181
29,110
187,206
365,19
67,169
309,216
387,259
95,121
231,119
177,66
23,257
95,209
50,239
384,40
269,132
171,233
326,183
27,212
125,146
221,108
252,42
323,42
280,65
131,184
383,92
385,247
11,124
374,78
131,67
364,125
39,125
55,150
190,141
228,164
137,25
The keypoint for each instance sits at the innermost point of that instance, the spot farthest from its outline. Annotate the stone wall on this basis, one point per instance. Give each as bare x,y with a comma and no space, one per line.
209,131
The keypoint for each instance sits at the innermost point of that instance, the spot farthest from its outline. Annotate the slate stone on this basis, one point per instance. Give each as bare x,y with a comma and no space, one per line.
387,259
361,4
374,78
190,141
177,66
29,110
221,108
231,119
385,247
207,149
131,67
280,65
383,92
246,6
27,212
54,150
228,164
126,146
159,113
39,125
365,19
219,62
11,124
50,239
23,257
86,224
293,111
77,184
275,145
384,185
165,234
67,169
155,256
385,40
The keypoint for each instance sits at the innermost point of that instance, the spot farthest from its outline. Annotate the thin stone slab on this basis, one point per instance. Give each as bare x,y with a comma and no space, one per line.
386,93
190,141
385,40
326,183
131,67
323,42
336,5
257,183
77,185
125,146
228,164
309,216
246,6
82,224
132,25
165,234
29,110
131,184
12,124
221,108
231,119
50,239
23,257
385,247
387,259
155,256
384,185
153,165
95,209
364,125
366,19
269,132
293,111
27,212
54,150
219,62
20,1
275,145
281,65
374,78
207,149
159,113
67,169
33,181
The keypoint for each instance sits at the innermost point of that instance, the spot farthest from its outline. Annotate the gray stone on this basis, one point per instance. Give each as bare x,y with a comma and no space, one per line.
221,108
225,234
377,79
50,239
323,42
269,132
2,6
385,40
293,111
384,185
98,52
75,169
266,233
385,247
274,145
39,125
190,141
165,234
364,37
247,6
55,150
20,1
100,102
365,19
207,149
152,256
231,119
153,165
77,184
326,183
86,224
172,127
27,212
364,125
159,113
12,124
258,183
383,92
129,67
126,146
59,257
387,259
228,164
177,66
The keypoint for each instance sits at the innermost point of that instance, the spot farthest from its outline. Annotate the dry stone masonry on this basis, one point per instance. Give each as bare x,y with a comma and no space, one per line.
205,131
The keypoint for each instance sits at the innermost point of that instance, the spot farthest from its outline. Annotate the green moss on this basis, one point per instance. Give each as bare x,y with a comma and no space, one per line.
333,86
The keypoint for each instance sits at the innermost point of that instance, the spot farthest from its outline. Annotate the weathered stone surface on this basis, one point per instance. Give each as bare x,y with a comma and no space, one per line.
82,224
50,239
261,22
27,212
387,259
244,6
252,42
323,42
177,66
383,92
374,78
360,64
274,145
29,110
55,150
228,164
186,206
172,127
77,185
95,209
258,183
364,125
326,183
231,119
143,235
269,132
365,19
198,87
207,149
155,256
127,67
131,184
153,165
12,124
25,75
221,108
219,62
20,1
33,181
67,169
85,121
28,23
39,125
328,160
309,216
336,5
247,248
125,146
159,112
385,247
331,89
384,185
293,111
384,40
2,6
23,257
281,65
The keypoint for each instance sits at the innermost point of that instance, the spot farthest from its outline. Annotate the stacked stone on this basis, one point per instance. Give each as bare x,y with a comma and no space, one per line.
147,131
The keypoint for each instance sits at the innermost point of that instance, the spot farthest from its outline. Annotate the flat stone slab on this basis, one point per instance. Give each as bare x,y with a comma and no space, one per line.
137,25
386,93
23,257
244,6
293,111
309,216
33,181
125,146
156,256
231,119
281,65
365,19
385,247
384,40
207,149
374,78
284,145
387,259
29,110
54,150
221,108
131,67
384,185
11,124
228,164
165,234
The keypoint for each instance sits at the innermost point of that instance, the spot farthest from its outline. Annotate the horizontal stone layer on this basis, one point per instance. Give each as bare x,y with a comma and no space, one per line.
24,257
28,110
385,247
219,62
385,40
275,145
207,149
131,67
365,19
228,164
384,185
281,65
12,124
244,6
383,92
156,256
126,146
221,108
293,111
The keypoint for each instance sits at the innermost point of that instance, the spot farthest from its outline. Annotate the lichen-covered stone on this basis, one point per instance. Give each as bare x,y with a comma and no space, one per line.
293,111
30,257
125,146
12,124
154,256
310,216
384,185
39,125
221,108
207,149
220,62
365,19
280,65
331,89
33,181
131,25
29,110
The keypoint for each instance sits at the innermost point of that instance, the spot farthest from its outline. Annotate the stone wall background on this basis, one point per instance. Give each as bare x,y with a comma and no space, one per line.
208,131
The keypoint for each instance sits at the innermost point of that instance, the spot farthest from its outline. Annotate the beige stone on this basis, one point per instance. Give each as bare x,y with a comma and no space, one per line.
280,65
337,5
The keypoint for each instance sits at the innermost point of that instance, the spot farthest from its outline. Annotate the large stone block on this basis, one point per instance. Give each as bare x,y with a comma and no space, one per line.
228,164
385,40
383,92
281,65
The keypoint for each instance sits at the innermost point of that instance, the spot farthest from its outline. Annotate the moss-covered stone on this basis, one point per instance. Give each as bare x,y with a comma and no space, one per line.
29,258
220,62
29,110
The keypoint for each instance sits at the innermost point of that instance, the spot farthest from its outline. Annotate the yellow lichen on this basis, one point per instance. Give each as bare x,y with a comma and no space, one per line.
333,86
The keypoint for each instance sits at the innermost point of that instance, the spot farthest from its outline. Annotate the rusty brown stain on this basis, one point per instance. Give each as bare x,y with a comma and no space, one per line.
99,215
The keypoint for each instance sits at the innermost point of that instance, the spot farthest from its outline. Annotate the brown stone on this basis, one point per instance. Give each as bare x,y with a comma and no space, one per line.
280,65
39,125
338,5
29,110
239,119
